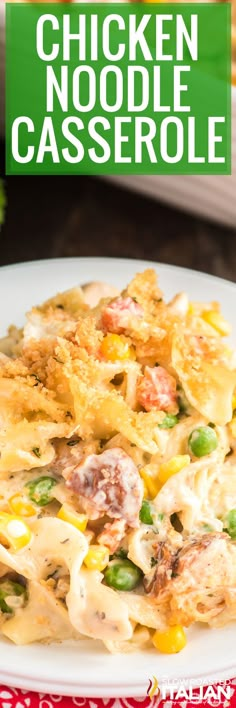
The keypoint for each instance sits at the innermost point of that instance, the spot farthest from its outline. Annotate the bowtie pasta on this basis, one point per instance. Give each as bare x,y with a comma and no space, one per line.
117,469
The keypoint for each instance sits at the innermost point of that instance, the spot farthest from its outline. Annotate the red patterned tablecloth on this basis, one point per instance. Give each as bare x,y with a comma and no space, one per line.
15,698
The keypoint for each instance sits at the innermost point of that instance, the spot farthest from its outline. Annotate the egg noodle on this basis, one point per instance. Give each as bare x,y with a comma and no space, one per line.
117,469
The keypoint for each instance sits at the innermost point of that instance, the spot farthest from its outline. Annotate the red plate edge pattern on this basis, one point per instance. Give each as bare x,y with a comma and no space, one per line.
15,698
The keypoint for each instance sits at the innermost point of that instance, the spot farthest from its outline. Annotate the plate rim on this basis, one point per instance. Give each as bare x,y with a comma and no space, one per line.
108,259
114,689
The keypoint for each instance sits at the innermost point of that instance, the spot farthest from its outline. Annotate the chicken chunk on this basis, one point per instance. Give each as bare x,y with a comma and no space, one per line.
157,389
117,316
108,484
197,579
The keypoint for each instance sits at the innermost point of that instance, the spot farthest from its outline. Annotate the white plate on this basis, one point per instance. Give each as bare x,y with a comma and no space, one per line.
85,668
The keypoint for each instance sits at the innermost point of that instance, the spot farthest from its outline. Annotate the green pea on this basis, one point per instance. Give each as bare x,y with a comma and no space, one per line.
145,513
169,421
8,589
122,575
39,490
202,441
230,523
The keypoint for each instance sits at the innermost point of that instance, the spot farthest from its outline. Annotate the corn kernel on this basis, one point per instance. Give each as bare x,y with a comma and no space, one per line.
151,482
174,465
171,641
234,402
115,347
97,557
20,506
14,532
217,321
67,513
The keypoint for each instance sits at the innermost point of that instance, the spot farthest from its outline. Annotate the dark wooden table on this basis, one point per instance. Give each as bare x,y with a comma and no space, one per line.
50,217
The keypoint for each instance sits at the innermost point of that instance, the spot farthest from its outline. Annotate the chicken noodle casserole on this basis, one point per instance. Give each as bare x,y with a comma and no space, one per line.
117,469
